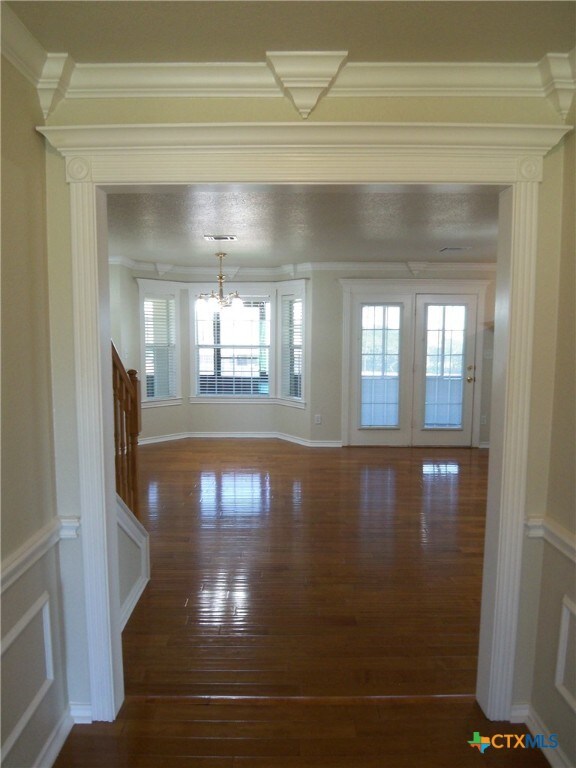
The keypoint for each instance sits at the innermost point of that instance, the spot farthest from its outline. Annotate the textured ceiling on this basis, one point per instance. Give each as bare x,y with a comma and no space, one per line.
287,224
107,31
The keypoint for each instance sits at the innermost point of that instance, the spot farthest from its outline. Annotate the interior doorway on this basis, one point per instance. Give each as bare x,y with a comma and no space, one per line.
507,155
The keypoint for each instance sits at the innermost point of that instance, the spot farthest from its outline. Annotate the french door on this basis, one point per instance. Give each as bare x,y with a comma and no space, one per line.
413,369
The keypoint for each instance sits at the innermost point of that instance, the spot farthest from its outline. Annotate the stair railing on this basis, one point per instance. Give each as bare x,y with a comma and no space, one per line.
127,426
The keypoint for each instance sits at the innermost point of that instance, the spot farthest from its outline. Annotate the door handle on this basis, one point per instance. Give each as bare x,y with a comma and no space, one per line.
470,379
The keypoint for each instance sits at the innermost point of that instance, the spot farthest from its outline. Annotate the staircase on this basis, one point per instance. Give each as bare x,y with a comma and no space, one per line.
127,423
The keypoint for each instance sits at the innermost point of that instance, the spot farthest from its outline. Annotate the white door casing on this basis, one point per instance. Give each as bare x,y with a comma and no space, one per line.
106,156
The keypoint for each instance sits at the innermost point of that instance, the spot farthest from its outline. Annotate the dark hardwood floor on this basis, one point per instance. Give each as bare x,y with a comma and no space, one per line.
308,607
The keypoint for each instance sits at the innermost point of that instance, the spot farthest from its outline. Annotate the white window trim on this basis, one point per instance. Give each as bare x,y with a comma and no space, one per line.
246,291
160,289
295,289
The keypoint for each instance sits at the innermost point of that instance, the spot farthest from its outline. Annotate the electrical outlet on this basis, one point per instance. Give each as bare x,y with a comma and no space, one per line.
317,419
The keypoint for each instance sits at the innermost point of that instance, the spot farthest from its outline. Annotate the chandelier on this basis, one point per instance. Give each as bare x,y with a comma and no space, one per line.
217,300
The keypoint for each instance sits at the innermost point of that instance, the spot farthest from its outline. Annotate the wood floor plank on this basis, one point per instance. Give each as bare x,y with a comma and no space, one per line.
307,608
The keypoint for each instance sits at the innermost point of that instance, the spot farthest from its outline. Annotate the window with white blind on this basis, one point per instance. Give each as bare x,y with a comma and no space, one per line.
160,346
291,346
233,350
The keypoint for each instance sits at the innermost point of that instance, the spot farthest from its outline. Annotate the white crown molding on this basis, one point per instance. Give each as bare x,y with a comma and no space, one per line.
20,47
393,267
185,80
54,81
306,76
303,75
290,271
554,77
558,75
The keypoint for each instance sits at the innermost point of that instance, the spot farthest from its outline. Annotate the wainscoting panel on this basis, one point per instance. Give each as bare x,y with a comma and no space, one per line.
36,718
566,662
134,560
27,669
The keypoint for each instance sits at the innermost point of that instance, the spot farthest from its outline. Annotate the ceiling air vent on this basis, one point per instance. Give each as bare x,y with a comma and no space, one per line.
220,238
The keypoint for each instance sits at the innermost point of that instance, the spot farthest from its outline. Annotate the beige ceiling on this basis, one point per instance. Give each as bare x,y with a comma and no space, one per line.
94,31
289,224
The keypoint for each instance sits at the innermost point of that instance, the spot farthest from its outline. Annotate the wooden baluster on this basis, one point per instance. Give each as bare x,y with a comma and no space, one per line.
133,431
126,387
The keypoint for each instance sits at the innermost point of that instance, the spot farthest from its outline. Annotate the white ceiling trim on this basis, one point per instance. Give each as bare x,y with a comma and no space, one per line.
185,80
58,77
21,48
408,152
553,78
289,271
306,76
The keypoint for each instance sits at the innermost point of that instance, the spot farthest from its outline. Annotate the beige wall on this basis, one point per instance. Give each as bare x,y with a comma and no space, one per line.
27,458
124,315
558,570
31,599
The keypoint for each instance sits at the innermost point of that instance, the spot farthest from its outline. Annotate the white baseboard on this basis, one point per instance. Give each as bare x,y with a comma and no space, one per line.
55,742
242,436
163,438
519,713
81,713
556,757
524,713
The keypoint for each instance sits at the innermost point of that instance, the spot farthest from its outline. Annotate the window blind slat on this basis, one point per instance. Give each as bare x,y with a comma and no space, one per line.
160,346
291,347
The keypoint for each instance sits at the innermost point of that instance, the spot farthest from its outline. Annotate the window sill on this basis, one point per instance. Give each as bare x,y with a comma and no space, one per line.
234,400
255,399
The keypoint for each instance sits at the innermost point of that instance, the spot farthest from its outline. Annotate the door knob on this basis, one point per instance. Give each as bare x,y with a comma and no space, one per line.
470,379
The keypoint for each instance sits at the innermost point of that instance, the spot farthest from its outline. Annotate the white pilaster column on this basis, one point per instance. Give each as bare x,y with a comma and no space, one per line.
97,508
509,459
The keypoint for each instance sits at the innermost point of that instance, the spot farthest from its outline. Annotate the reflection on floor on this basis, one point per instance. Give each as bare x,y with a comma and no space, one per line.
290,571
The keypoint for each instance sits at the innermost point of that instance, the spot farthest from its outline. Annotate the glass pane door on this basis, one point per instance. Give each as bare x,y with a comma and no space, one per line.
412,376
380,374
445,337
444,370
381,369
